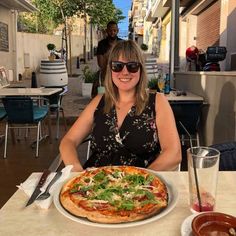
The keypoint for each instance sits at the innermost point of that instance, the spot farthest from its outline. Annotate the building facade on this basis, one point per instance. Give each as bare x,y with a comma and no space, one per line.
8,33
202,23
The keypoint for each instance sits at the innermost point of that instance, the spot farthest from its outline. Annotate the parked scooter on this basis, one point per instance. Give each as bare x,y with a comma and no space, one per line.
209,61
198,60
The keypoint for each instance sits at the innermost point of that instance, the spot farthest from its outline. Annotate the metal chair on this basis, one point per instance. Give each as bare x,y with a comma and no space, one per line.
227,155
23,113
187,116
55,105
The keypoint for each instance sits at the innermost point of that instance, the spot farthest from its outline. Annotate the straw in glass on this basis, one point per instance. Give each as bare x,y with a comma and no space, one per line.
194,167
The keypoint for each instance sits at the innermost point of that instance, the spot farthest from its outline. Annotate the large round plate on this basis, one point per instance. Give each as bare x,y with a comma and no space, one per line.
173,197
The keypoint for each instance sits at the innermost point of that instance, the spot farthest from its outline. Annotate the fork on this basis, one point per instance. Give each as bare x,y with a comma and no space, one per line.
46,194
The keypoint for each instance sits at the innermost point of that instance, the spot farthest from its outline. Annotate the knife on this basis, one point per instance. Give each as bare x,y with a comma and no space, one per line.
37,190
52,168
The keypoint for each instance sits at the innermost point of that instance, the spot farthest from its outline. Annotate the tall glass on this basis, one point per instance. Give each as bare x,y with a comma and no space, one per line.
203,167
161,83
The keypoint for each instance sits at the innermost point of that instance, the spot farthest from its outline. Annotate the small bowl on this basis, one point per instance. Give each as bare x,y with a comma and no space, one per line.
211,223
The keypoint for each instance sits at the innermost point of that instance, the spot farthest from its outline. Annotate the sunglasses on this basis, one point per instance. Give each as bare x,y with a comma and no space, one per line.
132,67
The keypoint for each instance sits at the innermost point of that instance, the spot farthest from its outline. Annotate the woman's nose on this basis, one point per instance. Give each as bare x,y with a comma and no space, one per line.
125,71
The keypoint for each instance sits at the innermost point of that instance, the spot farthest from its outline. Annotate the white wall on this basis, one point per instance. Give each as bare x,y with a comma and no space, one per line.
218,122
36,46
7,58
230,32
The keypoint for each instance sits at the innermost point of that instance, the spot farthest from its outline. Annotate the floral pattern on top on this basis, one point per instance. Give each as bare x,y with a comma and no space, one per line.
135,143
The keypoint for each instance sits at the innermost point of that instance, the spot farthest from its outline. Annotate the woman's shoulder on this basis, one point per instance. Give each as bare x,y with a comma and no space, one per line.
162,102
95,102
156,98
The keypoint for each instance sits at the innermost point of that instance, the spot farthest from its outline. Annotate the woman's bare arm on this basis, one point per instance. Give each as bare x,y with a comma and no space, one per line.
170,156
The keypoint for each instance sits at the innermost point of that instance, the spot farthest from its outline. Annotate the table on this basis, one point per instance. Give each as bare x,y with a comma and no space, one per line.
16,219
29,91
32,92
172,96
189,97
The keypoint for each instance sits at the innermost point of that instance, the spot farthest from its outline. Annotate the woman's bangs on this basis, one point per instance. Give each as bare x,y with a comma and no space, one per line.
130,55
126,53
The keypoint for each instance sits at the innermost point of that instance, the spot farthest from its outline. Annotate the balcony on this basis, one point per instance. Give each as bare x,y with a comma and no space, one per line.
20,5
158,10
149,16
183,3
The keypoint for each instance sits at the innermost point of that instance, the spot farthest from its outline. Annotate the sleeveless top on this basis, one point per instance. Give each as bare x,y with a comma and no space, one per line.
135,143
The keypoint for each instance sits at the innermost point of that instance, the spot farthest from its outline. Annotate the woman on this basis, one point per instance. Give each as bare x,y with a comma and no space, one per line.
128,126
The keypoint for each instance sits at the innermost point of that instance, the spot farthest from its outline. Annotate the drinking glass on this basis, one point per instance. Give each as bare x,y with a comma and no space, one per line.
203,167
161,83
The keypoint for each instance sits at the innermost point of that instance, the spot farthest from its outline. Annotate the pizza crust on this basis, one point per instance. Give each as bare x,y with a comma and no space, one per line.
100,216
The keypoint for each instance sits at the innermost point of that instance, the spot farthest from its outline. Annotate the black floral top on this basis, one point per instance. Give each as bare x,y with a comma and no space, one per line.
135,143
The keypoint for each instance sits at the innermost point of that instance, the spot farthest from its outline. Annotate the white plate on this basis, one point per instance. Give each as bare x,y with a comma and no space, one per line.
186,227
173,197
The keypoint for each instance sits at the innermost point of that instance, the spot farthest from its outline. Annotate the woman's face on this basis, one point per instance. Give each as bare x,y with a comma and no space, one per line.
125,80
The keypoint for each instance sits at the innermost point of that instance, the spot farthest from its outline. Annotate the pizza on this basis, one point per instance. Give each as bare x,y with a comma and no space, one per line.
114,194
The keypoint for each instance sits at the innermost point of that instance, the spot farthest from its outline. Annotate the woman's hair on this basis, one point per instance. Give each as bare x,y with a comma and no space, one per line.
131,52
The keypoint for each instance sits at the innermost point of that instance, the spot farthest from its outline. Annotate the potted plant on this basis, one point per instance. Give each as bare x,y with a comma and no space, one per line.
88,78
153,84
51,48
144,47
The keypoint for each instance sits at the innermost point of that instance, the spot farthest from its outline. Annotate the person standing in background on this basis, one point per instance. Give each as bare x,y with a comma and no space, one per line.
103,49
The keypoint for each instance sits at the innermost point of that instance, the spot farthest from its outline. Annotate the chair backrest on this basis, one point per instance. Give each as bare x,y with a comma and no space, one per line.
188,113
227,156
19,109
2,112
56,98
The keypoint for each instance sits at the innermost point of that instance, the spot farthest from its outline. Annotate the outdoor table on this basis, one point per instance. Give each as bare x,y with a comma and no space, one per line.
172,96
28,91
32,92
16,219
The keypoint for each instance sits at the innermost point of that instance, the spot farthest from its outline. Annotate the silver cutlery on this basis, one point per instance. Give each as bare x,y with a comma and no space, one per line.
37,190
46,194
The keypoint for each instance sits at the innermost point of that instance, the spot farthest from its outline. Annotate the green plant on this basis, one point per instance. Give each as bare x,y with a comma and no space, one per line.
51,47
144,47
153,84
88,75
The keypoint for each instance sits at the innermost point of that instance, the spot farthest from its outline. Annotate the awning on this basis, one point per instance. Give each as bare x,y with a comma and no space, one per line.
20,5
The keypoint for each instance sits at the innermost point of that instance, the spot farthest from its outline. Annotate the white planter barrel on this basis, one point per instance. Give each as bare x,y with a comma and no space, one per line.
53,73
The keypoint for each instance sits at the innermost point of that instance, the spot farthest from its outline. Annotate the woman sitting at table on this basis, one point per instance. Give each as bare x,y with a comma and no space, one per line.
128,126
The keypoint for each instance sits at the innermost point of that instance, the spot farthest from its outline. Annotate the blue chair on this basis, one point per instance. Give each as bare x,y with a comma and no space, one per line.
227,155
3,114
55,105
23,113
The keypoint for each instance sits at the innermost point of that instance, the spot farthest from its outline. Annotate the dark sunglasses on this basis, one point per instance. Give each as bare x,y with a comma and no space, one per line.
132,67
